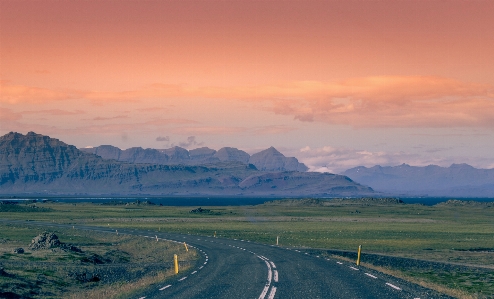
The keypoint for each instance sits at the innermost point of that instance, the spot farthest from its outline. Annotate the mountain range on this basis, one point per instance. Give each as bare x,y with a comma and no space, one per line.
266,160
37,164
458,180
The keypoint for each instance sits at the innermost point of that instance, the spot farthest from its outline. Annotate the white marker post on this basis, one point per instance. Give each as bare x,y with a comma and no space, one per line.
277,240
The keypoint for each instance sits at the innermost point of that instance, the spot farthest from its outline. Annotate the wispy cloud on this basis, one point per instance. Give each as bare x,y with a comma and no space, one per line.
338,159
110,117
56,112
7,115
191,141
385,101
208,130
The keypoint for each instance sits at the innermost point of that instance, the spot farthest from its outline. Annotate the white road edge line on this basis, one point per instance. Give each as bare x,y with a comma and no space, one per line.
268,284
393,286
353,268
185,277
165,287
370,275
272,293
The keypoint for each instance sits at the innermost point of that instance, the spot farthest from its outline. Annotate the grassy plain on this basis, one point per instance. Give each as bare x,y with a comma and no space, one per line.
109,266
455,233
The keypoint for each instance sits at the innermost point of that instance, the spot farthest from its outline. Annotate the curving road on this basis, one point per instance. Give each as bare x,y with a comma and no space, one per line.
242,269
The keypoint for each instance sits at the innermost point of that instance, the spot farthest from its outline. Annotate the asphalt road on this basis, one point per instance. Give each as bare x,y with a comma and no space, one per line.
242,269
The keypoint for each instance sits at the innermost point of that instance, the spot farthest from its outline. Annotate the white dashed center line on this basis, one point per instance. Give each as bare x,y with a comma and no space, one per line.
393,286
182,278
370,275
354,268
165,287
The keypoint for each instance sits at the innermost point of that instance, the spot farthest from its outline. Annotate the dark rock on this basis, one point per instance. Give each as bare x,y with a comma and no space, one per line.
84,277
18,250
200,210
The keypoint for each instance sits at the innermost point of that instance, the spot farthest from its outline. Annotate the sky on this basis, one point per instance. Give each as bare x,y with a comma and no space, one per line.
337,84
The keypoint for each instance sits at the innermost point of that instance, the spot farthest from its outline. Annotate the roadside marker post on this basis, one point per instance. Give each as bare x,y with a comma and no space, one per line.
277,237
186,248
358,255
116,232
175,261
215,234
156,238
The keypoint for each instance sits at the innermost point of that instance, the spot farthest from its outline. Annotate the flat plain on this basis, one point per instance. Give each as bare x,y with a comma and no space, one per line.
448,247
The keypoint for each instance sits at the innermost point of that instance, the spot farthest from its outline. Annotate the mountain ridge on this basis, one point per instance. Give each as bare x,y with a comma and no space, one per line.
267,160
460,180
38,164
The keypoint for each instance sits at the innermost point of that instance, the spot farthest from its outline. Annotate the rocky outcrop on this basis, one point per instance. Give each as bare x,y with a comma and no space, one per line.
48,240
272,160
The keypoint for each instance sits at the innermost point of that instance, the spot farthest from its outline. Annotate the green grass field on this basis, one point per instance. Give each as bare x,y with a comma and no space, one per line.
57,273
462,234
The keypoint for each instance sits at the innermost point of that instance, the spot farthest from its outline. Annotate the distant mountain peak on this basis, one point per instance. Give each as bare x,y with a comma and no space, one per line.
271,159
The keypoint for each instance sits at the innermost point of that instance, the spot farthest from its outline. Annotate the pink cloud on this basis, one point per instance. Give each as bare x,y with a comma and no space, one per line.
383,101
14,94
208,130
7,115
57,112
110,118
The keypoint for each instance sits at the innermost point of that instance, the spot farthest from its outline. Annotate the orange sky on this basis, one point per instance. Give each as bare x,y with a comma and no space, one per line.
382,76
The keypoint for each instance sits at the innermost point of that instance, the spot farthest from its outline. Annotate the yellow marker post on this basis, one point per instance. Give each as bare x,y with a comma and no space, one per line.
175,260
186,248
358,255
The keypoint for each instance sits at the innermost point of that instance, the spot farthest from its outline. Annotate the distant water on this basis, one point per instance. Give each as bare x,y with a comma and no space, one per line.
216,201
435,200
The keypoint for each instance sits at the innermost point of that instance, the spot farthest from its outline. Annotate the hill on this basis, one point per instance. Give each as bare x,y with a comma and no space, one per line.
38,164
458,180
